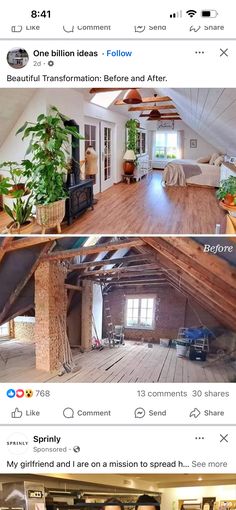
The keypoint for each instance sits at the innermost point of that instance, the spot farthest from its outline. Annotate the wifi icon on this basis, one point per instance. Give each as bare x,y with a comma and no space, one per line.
191,13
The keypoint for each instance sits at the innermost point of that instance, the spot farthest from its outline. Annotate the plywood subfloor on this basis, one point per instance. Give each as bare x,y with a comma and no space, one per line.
130,363
147,208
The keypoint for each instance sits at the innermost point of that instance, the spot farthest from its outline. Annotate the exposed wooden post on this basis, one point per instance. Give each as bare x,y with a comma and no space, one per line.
87,312
50,314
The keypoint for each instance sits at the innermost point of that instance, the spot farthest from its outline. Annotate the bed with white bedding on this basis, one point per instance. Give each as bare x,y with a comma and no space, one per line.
180,172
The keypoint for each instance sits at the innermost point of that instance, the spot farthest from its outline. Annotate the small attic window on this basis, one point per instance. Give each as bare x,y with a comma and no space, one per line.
105,99
140,312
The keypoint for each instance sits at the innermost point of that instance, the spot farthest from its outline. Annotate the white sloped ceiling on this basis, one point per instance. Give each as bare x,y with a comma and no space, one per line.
209,112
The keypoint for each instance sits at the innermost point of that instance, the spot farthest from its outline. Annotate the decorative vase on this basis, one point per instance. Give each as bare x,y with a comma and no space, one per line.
128,167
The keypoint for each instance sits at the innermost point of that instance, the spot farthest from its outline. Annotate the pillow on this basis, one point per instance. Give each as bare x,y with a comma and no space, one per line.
218,161
204,159
213,158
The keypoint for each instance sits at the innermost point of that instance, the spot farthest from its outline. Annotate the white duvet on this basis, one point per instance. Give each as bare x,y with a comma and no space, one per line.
210,175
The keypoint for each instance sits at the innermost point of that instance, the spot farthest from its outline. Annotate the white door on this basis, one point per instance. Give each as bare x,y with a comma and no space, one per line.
91,134
107,156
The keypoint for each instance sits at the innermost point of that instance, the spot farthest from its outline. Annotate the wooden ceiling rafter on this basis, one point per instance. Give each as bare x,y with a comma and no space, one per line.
203,301
163,118
152,99
27,242
209,262
188,276
107,262
97,248
152,107
144,269
17,291
198,273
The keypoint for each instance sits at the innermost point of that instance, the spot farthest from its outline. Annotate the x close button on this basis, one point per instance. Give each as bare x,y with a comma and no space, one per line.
224,53
224,439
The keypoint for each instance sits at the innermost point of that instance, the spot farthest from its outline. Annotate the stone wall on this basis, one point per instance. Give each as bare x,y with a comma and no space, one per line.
24,329
174,311
50,314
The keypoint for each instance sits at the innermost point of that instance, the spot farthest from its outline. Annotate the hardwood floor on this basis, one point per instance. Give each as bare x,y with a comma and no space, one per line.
147,208
129,363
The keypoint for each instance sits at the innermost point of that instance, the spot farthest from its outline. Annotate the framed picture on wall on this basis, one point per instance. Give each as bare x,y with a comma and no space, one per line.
193,143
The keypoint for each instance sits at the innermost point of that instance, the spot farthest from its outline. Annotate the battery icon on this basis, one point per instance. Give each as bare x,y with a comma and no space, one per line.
209,14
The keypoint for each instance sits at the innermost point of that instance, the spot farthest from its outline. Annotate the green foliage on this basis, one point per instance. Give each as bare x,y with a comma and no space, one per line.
227,186
48,150
21,210
15,170
132,126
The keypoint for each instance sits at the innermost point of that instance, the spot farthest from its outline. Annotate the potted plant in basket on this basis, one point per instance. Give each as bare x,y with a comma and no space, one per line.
48,150
14,188
227,195
21,210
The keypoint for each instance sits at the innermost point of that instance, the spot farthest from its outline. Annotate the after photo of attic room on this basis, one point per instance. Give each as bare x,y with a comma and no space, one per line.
101,309
127,161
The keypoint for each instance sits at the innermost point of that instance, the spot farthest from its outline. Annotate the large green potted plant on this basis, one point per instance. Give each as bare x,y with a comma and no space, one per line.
48,151
227,194
13,187
131,146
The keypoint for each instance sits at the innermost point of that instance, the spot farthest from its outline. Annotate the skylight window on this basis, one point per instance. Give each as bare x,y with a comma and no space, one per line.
105,99
92,240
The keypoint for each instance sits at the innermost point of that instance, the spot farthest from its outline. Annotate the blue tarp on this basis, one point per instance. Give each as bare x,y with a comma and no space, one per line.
196,333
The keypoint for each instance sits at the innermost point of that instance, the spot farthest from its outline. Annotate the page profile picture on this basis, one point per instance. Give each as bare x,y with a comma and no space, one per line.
17,58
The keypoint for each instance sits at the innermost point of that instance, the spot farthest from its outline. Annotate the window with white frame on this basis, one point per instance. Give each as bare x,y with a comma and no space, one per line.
140,312
166,145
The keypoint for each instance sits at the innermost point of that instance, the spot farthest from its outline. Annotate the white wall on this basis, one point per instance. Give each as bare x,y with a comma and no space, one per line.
13,148
97,310
170,497
72,103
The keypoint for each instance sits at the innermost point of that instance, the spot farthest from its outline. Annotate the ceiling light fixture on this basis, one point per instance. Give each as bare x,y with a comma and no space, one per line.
132,96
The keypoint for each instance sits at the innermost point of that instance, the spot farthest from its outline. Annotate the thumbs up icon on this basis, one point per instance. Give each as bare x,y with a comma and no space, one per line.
16,413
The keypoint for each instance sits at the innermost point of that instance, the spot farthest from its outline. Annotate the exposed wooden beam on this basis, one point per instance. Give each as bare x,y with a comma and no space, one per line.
151,107
220,269
95,90
137,284
143,269
19,312
188,267
169,114
107,262
26,242
99,248
6,242
153,99
165,118
16,292
73,287
189,291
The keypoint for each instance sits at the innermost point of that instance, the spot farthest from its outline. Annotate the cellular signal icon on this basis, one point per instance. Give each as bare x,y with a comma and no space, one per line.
177,14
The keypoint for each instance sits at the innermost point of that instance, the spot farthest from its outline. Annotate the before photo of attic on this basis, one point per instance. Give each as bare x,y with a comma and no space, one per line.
117,309
128,161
